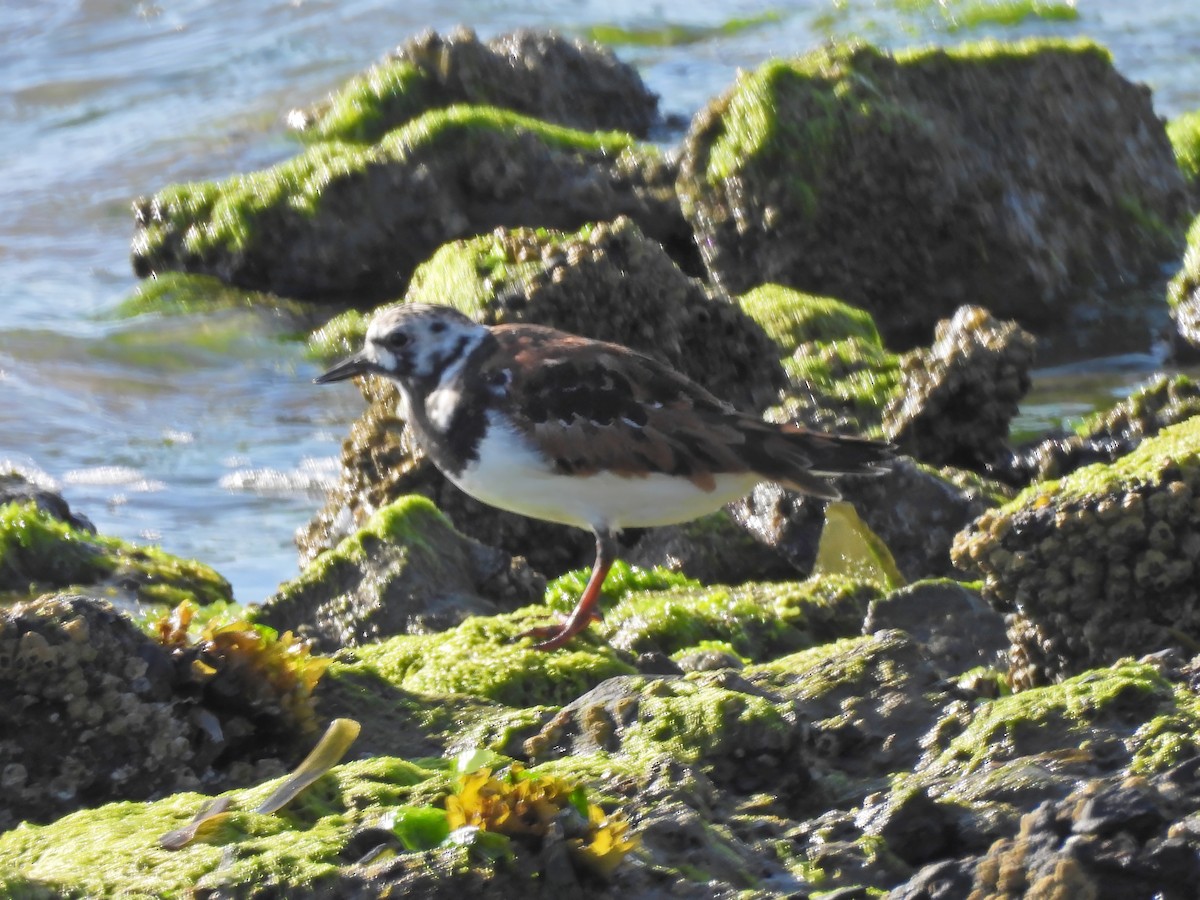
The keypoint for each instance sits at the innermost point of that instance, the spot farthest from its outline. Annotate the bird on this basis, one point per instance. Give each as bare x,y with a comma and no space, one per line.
583,432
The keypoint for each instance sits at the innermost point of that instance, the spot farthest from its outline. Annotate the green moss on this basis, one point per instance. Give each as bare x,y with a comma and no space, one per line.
788,117
855,375
999,727
1172,736
691,720
1186,283
393,91
114,850
1172,448
622,580
340,336
756,620
228,214
674,35
821,670
39,552
484,657
791,318
1184,132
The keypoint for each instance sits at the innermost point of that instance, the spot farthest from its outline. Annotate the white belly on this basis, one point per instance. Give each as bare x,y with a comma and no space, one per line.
509,475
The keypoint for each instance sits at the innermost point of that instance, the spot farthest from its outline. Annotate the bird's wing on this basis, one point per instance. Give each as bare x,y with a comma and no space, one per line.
593,406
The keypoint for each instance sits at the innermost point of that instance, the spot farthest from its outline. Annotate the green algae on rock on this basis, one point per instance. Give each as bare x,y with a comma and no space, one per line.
405,570
115,851
876,178
1097,565
348,220
839,374
1184,132
758,621
1183,291
537,73
483,658
40,552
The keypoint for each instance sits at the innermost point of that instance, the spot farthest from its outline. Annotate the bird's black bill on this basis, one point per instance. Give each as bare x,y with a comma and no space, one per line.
347,368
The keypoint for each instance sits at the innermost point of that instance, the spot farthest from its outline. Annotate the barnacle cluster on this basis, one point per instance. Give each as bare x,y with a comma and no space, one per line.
244,666
523,804
85,711
1097,565
960,395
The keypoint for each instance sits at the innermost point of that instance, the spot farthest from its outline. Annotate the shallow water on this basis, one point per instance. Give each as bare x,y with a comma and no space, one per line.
204,433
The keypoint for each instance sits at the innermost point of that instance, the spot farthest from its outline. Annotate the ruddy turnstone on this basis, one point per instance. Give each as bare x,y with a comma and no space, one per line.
585,433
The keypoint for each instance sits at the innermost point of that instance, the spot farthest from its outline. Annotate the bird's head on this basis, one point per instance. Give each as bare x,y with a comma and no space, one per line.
411,344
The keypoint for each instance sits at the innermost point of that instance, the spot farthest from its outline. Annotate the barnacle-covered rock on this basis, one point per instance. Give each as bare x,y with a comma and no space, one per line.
1097,565
352,221
1016,176
538,73
85,712
1109,434
405,571
915,510
958,397
44,546
607,281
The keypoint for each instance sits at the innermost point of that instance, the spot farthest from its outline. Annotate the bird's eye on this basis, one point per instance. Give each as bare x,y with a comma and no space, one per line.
437,327
397,339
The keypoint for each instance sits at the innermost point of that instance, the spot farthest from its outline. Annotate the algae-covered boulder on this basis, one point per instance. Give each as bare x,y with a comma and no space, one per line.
960,395
1097,565
1108,434
539,73
1018,177
1183,292
353,221
607,281
840,376
405,571
43,546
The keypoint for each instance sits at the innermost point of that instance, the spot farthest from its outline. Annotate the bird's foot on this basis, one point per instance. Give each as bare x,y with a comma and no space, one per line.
551,637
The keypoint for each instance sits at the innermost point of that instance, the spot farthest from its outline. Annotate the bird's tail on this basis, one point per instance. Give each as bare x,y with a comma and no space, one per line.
802,459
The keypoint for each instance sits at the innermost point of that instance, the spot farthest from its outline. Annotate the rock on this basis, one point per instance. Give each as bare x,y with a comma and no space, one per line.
93,710
1020,177
607,281
712,550
840,376
1108,435
351,222
406,571
538,73
960,396
1097,565
44,546
951,622
914,510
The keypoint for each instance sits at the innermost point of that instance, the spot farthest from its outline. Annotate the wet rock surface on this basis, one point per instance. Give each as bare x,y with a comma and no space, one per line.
959,396
1098,565
405,571
870,184
350,222
537,73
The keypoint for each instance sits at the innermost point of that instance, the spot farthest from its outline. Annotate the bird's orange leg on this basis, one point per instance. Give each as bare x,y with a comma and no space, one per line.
587,608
